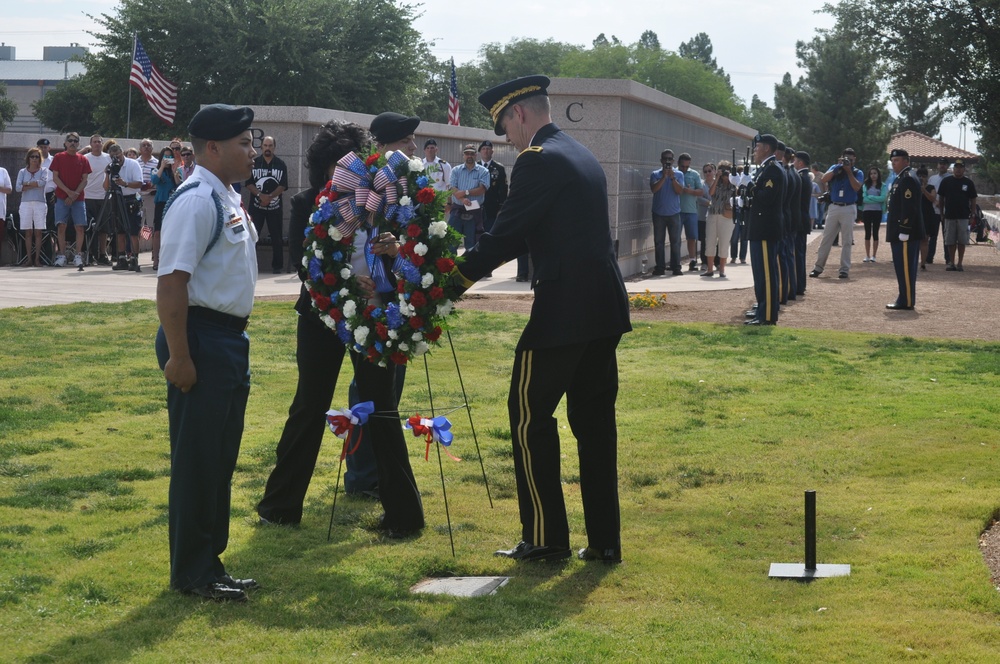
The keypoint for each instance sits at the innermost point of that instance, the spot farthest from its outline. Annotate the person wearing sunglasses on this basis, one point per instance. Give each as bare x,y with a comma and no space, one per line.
69,171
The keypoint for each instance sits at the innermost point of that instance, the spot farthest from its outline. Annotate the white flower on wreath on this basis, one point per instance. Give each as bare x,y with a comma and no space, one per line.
305,261
318,253
427,280
389,153
350,308
420,249
437,228
417,336
345,273
328,321
393,334
335,235
416,165
361,335
404,346
347,325
405,201
344,292
444,308
421,348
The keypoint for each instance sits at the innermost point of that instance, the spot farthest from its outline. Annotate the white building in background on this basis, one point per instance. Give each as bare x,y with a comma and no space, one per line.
30,80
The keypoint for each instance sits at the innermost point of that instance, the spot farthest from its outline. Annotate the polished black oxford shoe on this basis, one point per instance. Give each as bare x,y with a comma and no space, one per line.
897,306
219,592
756,321
609,556
530,553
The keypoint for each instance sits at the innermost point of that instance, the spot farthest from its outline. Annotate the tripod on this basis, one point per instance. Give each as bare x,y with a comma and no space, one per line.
114,212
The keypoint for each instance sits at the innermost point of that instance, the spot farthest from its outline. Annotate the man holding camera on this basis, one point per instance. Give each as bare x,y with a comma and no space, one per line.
123,177
843,183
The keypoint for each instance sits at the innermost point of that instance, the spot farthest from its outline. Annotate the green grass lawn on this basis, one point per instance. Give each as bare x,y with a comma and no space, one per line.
720,431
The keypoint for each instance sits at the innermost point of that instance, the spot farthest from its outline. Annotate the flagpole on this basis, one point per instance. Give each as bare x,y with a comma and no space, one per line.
128,121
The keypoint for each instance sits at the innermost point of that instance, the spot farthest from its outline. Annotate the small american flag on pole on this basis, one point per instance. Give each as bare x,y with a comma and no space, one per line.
159,92
453,97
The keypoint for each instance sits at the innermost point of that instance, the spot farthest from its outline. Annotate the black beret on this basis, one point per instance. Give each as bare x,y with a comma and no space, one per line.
486,144
498,98
768,139
42,141
390,127
944,160
899,152
220,122
803,156
780,147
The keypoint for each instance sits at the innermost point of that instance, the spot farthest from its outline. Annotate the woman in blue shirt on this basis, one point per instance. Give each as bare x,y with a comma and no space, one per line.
165,178
873,205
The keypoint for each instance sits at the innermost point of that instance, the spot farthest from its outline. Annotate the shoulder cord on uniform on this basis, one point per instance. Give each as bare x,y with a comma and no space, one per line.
220,215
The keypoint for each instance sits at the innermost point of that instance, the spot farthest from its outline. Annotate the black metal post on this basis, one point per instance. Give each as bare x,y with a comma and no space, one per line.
811,530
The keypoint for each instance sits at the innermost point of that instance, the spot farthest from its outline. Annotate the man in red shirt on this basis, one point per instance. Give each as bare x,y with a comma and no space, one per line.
69,170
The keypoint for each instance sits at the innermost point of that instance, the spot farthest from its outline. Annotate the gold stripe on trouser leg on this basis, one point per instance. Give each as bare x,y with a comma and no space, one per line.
906,273
767,282
524,415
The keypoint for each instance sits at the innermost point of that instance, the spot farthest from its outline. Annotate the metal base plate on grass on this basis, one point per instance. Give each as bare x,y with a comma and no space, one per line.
461,586
799,571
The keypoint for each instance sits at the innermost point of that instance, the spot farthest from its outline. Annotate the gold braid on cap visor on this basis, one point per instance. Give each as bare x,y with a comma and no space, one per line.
499,106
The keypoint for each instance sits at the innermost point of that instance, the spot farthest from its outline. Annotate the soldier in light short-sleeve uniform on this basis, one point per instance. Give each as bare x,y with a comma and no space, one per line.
205,286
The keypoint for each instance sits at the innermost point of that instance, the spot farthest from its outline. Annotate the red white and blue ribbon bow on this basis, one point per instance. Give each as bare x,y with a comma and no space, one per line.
343,422
436,429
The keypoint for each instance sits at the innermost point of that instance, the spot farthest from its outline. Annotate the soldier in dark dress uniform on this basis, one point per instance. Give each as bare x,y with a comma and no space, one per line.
804,227
765,222
557,211
905,228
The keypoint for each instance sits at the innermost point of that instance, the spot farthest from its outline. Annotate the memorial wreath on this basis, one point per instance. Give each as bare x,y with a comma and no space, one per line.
372,192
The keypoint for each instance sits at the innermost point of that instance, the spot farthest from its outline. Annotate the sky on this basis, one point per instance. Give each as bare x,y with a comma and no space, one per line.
741,32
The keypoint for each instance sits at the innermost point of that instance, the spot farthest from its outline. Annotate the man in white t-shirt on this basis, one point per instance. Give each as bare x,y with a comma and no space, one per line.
94,199
5,188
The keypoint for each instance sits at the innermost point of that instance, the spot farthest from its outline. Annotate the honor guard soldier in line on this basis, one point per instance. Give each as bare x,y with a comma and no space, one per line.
790,212
905,228
764,228
204,294
557,211
801,164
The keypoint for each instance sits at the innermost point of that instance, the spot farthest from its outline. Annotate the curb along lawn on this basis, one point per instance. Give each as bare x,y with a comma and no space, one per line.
720,431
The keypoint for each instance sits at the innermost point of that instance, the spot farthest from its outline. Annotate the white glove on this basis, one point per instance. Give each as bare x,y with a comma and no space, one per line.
903,238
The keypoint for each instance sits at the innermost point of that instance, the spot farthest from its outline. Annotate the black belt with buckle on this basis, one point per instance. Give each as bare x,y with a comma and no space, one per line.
228,321
842,204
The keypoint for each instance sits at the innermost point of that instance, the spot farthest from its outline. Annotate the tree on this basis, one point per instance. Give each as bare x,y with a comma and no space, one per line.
699,48
362,55
765,119
953,46
69,107
8,107
915,112
836,104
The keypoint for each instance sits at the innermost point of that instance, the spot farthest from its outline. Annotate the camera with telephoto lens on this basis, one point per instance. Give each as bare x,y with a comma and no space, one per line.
114,168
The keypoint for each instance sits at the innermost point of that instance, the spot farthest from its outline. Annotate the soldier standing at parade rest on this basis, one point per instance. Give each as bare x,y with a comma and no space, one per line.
905,228
804,228
204,295
764,228
557,210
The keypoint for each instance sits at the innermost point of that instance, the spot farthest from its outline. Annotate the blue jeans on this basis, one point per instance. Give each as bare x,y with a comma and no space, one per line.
471,228
690,222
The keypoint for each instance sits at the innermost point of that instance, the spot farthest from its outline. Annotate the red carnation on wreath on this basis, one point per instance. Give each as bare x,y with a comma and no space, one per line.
426,195
413,230
418,299
372,158
445,265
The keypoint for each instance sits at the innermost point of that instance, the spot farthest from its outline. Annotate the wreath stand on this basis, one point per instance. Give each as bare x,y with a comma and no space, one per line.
444,491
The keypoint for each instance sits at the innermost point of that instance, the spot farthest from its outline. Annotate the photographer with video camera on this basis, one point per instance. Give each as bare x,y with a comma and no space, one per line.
843,182
123,182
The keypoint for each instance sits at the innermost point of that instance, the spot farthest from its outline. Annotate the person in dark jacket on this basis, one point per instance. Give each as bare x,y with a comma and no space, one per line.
557,211
905,228
765,223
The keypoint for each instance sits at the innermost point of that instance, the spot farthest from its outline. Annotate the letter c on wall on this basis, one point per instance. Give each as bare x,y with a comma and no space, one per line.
572,114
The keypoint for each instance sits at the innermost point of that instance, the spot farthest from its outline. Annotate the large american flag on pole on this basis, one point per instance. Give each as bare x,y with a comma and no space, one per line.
159,92
453,97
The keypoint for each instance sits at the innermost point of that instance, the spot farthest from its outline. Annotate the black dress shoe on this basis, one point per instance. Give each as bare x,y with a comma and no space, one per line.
396,533
219,592
757,321
815,273
751,313
238,584
521,279
530,553
897,306
609,556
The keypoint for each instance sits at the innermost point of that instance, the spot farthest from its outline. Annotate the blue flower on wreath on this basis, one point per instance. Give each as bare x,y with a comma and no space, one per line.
315,269
377,313
379,347
326,210
306,231
343,333
392,317
338,256
404,214
422,181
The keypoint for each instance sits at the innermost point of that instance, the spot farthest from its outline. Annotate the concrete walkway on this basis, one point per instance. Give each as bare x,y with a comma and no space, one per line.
39,286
